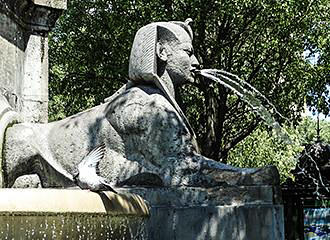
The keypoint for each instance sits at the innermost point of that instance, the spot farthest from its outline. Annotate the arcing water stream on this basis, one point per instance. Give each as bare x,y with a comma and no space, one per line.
255,99
250,95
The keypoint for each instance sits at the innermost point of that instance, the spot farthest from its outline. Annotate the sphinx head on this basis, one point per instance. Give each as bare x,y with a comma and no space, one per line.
163,50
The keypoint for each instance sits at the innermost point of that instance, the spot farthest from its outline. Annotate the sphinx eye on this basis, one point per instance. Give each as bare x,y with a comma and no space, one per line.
189,51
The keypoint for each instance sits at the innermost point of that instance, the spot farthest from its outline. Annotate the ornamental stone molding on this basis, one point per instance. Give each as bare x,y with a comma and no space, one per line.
34,15
24,27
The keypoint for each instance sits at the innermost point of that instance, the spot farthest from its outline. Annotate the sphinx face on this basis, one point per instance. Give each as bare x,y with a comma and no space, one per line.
181,61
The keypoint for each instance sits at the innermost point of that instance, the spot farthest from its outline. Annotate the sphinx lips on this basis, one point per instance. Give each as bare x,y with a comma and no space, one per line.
194,72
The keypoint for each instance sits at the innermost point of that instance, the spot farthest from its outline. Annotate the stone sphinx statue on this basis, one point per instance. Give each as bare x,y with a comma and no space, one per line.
142,126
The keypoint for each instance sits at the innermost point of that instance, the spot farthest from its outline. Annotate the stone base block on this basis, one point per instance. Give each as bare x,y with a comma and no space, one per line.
262,222
228,213
240,213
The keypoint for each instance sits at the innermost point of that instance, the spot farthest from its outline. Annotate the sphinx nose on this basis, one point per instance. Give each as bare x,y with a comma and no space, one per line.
194,62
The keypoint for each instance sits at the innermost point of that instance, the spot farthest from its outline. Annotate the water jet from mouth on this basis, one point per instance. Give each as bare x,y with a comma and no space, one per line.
249,95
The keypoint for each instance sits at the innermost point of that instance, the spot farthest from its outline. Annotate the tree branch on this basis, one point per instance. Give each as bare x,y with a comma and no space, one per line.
240,136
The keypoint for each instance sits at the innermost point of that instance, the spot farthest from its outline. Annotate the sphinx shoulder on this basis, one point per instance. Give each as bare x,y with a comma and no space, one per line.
138,108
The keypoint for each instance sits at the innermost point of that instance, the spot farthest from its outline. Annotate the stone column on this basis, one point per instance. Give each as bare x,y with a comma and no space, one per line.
24,28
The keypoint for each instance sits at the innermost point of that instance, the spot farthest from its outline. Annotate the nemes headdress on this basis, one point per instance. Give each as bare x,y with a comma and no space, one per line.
143,58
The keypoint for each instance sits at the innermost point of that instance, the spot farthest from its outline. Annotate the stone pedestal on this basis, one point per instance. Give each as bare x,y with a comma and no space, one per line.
250,212
222,213
71,214
24,26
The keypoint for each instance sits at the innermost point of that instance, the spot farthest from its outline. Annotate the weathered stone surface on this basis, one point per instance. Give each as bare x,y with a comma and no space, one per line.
27,181
60,4
174,213
262,222
126,155
8,117
24,54
12,45
56,201
213,196
216,213
142,132
36,15
143,179
268,174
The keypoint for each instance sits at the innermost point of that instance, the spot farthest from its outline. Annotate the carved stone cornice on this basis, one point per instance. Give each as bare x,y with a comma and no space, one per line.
34,15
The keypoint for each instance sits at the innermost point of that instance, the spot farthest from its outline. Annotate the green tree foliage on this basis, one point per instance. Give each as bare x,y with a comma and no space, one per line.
318,46
262,148
308,130
261,41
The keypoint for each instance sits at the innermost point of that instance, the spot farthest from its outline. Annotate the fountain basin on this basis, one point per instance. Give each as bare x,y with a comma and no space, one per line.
71,214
